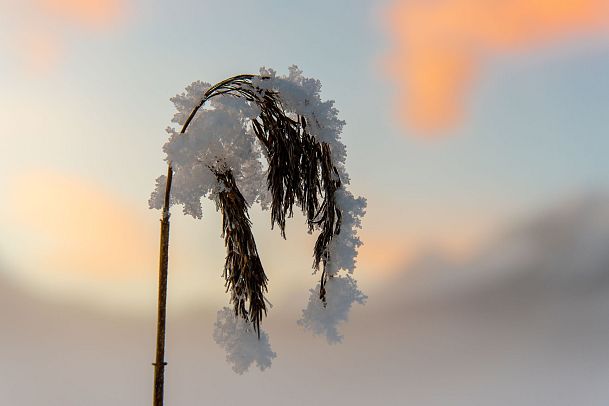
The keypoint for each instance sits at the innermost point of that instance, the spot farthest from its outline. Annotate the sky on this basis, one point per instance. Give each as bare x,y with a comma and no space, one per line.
476,130
455,124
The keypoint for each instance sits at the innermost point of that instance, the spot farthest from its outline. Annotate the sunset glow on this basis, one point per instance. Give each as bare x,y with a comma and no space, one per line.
82,229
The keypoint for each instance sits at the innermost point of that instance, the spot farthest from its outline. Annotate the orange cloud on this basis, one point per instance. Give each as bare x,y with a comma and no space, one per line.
39,38
90,13
440,46
75,226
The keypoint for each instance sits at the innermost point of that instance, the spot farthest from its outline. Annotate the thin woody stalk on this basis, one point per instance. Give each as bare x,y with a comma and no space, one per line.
159,364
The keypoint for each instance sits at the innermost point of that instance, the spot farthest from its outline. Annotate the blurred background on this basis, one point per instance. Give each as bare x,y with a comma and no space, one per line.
477,131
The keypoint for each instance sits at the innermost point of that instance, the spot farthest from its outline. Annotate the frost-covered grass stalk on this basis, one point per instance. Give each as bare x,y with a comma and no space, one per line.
271,140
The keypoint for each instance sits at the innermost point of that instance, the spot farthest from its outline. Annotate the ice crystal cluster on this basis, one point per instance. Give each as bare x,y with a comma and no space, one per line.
241,343
323,319
272,140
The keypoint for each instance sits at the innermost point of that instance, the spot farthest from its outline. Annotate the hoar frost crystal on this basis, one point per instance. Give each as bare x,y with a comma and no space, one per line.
220,153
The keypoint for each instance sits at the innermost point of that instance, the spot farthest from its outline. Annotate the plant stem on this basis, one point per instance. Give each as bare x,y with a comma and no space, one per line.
159,365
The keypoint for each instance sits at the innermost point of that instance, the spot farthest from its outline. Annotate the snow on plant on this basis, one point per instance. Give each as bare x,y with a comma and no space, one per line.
242,345
271,140
323,318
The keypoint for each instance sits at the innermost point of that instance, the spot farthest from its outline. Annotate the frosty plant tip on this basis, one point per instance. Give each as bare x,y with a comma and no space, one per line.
271,140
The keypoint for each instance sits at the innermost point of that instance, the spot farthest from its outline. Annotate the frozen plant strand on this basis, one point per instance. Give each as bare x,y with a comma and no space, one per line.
241,343
324,319
344,246
225,133
272,140
243,272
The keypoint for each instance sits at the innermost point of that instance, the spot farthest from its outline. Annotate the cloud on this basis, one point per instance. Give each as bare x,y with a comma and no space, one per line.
88,13
40,29
440,46
74,226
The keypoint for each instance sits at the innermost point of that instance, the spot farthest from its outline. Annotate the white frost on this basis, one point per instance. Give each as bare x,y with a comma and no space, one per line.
301,95
241,342
343,247
341,293
221,136
217,136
